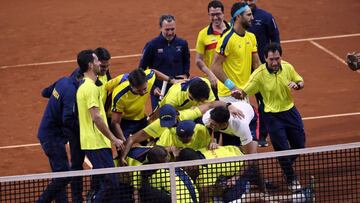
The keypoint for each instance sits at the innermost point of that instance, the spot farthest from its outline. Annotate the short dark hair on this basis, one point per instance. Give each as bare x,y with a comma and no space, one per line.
85,57
216,4
157,154
199,89
102,53
220,114
137,77
188,154
273,47
167,17
235,7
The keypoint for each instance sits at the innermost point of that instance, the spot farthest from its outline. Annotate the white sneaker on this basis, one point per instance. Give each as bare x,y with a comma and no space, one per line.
294,185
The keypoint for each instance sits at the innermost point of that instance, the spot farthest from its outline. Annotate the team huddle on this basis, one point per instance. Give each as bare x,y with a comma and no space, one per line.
192,117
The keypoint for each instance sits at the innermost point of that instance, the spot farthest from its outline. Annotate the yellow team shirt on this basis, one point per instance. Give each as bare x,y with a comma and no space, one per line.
206,44
131,106
161,180
113,83
104,93
274,86
88,96
178,95
238,51
109,87
209,173
154,129
200,139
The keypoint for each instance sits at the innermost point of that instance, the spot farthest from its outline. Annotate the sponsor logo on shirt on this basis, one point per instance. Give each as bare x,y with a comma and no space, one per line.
258,22
160,51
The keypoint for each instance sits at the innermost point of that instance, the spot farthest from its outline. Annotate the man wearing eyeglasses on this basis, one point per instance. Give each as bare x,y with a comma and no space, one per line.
166,53
207,40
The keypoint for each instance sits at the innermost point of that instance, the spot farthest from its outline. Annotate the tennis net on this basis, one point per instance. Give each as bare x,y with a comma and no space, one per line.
319,174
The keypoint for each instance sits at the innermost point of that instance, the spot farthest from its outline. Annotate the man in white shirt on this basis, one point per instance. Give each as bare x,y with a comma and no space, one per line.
219,119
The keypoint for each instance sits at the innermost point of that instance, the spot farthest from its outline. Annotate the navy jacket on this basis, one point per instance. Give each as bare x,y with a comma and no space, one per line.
265,29
60,116
171,58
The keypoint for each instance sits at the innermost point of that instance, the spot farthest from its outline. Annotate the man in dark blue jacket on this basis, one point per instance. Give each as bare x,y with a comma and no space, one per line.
265,29
166,53
58,126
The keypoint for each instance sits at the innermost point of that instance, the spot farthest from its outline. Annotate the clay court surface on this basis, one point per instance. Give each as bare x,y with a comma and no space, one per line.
316,36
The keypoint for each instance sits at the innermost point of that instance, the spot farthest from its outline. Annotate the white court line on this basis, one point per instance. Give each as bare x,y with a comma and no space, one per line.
328,51
320,38
331,116
138,55
19,146
305,118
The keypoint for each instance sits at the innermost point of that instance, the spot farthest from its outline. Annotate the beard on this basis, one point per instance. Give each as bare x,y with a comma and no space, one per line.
246,25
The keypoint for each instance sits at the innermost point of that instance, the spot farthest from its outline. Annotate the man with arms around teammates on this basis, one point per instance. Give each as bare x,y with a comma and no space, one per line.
166,53
236,53
265,29
207,39
274,80
95,136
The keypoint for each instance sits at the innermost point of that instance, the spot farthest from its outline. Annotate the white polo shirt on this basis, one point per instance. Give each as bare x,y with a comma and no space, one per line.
238,127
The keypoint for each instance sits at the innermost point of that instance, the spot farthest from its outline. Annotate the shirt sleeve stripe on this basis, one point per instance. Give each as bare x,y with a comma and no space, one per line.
119,95
225,42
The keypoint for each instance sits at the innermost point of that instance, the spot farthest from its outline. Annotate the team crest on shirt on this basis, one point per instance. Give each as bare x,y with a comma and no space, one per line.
160,51
178,48
55,94
213,39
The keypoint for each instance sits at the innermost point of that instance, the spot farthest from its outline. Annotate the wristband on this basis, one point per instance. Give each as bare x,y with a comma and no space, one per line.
229,84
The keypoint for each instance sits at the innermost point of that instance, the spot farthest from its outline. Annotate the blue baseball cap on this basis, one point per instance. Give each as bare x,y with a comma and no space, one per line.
168,116
185,128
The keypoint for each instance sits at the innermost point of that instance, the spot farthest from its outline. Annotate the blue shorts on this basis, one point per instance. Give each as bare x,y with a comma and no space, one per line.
132,126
